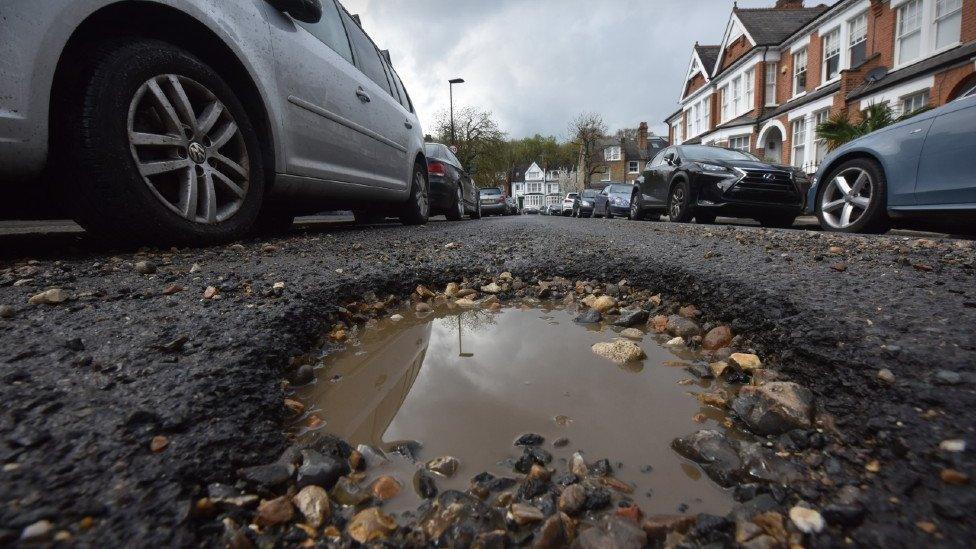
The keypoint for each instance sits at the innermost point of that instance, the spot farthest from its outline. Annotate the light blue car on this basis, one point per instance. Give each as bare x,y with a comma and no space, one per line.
923,167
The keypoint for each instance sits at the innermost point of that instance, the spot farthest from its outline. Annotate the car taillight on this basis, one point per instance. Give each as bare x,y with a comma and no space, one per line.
435,168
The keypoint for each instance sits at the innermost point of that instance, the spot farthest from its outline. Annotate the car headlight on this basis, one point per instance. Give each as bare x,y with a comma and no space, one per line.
715,168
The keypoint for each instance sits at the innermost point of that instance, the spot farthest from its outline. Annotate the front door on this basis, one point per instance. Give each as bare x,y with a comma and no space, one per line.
774,147
947,167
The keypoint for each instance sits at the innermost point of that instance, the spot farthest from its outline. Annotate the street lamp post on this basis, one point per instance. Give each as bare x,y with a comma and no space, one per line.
452,82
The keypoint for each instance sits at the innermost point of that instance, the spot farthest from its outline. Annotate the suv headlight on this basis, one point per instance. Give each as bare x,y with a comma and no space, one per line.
714,168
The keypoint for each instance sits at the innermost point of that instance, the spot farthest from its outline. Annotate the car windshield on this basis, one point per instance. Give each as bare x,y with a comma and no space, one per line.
590,193
621,189
704,152
572,195
491,192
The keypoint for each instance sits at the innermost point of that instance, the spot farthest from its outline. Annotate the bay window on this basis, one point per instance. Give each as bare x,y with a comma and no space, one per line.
857,49
908,35
831,55
800,72
770,84
799,142
948,22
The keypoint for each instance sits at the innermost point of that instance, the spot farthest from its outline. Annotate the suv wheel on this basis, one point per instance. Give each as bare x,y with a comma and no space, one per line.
679,207
853,200
636,208
159,148
417,209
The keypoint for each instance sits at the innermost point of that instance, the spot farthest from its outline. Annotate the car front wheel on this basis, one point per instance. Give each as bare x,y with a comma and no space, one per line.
852,199
679,206
159,148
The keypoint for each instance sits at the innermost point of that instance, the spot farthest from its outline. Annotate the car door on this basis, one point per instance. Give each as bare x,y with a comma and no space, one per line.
323,118
387,123
657,192
947,166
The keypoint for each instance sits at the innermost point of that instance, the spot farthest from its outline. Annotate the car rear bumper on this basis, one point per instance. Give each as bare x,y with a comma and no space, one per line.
620,210
442,193
493,208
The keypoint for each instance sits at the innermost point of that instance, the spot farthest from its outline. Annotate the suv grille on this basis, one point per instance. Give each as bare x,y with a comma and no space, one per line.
758,180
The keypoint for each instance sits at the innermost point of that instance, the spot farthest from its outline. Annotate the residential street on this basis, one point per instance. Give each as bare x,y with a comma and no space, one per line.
128,356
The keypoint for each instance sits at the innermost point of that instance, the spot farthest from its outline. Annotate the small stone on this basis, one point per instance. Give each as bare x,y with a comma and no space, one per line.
604,303
590,316
294,406
689,311
836,250
172,289
745,362
927,526
452,289
675,342
386,488
6,311
195,268
445,466
718,368
320,470
269,248
775,408
631,318
396,318
158,444
659,323
572,499
948,377
49,297
577,466
145,267
717,338
953,476
555,533
873,466
530,439
839,267
657,527
632,333
953,445
37,531
274,511
278,288
523,514
313,503
466,303
886,375
682,327
424,484
267,476
423,308
211,292
492,289
806,520
371,525
619,351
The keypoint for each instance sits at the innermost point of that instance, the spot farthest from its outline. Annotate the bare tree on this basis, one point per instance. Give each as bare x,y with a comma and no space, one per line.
478,139
587,132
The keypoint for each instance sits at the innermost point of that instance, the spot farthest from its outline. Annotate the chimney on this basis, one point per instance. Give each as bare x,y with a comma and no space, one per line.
642,136
788,4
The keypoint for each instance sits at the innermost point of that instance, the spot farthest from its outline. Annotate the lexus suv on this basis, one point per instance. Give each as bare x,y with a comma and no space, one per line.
701,182
195,121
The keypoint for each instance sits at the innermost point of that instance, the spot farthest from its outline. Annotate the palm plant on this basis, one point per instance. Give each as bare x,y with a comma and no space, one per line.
839,129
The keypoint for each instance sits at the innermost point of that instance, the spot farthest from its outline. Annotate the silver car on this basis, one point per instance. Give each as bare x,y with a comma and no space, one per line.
194,121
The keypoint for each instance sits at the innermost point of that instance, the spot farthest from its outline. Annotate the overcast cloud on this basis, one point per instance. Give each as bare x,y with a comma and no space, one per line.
536,64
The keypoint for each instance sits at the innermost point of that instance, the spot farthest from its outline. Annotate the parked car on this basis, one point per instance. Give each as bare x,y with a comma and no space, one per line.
532,203
583,206
493,202
193,121
554,209
922,169
452,191
568,203
613,200
512,207
701,182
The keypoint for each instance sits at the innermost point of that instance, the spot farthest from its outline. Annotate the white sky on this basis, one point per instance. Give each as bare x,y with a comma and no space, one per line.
536,64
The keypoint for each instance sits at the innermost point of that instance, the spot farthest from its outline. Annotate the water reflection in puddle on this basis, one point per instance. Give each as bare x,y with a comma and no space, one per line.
467,384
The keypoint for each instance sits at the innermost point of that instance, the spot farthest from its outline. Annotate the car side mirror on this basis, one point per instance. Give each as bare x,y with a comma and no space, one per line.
306,11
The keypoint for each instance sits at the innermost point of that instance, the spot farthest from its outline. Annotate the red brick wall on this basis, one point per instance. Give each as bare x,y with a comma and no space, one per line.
881,32
735,50
695,83
947,83
787,140
814,61
968,20
784,78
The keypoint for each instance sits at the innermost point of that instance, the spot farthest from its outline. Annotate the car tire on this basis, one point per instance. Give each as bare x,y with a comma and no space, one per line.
873,218
456,210
705,218
476,214
778,221
636,207
417,209
679,205
136,176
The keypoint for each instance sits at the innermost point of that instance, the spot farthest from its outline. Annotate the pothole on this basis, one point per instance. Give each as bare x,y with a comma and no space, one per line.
468,383
498,413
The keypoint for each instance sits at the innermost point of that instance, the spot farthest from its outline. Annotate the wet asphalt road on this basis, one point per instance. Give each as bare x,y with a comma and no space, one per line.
87,384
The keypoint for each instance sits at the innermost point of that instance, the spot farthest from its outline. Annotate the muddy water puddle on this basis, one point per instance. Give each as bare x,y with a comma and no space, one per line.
468,383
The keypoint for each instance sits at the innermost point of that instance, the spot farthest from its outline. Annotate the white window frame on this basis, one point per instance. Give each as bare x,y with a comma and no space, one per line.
611,154
724,100
606,175
736,96
749,89
820,145
937,20
633,166
799,142
832,40
853,39
706,106
907,104
739,142
901,35
772,71
802,52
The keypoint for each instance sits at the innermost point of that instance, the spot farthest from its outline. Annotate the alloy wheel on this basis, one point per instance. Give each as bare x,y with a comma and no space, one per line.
460,202
634,207
677,199
847,198
423,204
188,149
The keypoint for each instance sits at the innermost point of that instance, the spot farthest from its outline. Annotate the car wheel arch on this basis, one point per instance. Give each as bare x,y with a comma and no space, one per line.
847,157
146,21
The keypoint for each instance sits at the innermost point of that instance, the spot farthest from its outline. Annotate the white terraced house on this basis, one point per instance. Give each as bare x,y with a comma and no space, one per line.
780,71
538,188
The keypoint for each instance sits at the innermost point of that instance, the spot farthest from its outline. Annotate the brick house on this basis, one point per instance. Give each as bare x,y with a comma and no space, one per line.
624,158
779,71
